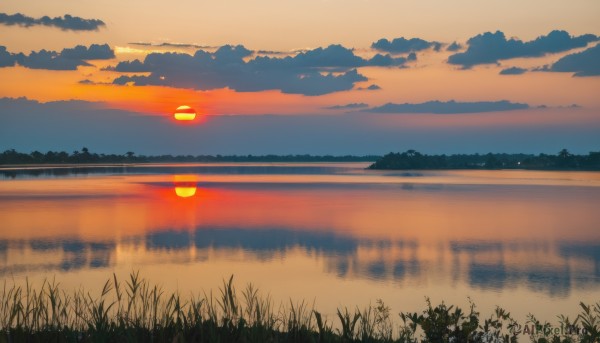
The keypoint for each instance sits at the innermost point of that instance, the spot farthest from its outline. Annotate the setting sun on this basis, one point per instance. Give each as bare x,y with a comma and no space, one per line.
184,113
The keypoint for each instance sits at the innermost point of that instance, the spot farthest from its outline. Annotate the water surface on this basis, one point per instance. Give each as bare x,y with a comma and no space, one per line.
333,233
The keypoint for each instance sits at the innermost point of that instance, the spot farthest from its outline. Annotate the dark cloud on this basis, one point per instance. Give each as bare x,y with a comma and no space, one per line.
94,52
572,106
386,60
403,45
449,107
492,47
339,56
231,54
585,63
372,87
347,106
140,43
454,47
314,72
67,22
273,52
67,59
51,60
90,82
332,56
513,71
307,83
8,59
135,66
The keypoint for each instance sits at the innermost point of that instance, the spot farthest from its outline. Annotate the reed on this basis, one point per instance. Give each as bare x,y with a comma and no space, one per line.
137,311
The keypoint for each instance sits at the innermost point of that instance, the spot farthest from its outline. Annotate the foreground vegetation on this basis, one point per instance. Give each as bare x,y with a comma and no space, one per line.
136,311
564,160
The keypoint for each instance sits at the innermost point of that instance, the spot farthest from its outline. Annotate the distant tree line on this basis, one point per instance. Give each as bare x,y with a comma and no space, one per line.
409,159
85,156
564,160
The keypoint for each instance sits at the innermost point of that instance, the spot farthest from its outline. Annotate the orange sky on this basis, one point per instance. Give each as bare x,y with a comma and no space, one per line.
354,24
285,27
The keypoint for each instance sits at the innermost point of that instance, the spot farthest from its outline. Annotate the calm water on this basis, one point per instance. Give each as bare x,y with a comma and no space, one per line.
333,233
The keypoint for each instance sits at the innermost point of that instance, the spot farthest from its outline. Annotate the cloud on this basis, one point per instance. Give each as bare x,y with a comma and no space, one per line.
173,45
492,47
347,106
372,87
513,71
403,45
50,60
273,52
336,56
332,56
386,60
67,22
135,66
231,54
449,107
8,59
67,59
454,47
94,52
585,63
314,72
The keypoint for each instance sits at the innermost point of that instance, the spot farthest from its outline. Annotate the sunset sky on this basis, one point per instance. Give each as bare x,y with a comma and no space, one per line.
293,77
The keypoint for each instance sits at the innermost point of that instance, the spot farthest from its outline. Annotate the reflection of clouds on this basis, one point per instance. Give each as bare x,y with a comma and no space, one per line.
556,282
542,267
275,240
589,252
80,255
586,252
205,169
474,247
554,269
55,254
44,245
44,171
168,240
378,260
3,250
403,269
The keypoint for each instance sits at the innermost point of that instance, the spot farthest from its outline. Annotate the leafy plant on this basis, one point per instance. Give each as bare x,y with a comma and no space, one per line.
136,311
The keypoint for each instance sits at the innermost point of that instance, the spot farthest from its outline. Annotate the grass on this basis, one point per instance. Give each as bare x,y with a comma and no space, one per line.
136,311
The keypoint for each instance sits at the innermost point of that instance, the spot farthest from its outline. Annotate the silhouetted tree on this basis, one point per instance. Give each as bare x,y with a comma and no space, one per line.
565,160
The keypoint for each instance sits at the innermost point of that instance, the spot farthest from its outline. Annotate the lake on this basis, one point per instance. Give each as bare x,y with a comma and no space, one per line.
330,233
